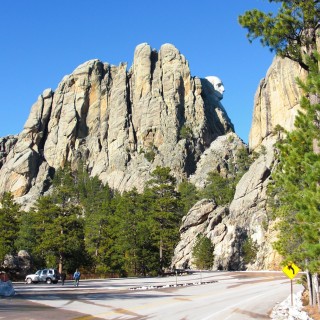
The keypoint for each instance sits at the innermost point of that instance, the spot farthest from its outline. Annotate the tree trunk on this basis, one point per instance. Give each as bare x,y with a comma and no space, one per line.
161,256
60,263
316,288
310,288
98,243
61,255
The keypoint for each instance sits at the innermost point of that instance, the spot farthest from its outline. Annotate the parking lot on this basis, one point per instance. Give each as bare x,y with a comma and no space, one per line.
211,295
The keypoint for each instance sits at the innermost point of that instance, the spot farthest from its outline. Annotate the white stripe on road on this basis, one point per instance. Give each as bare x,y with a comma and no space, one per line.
230,307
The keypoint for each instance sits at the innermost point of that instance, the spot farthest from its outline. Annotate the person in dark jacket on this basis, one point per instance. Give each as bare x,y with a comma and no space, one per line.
63,277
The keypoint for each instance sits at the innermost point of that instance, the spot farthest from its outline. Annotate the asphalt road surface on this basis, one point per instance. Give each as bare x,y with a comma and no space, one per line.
200,296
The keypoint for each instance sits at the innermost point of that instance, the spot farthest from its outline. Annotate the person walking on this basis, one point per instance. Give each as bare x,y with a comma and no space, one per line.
76,277
63,277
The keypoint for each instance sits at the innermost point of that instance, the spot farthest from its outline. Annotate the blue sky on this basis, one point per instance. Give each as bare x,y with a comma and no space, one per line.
43,40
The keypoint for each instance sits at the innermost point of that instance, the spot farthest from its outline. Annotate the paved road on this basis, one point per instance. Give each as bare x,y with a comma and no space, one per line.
222,296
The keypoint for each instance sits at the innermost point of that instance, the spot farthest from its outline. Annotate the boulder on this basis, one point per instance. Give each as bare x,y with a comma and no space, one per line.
18,264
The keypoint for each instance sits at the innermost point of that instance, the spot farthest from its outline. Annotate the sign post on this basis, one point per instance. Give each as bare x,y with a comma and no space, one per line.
291,270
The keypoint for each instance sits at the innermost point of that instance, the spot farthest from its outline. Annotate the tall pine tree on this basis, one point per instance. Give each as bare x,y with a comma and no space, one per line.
296,190
59,228
133,237
165,211
97,199
293,33
9,217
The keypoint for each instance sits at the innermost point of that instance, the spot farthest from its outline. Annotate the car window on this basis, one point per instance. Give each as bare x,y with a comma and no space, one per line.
44,271
38,272
50,272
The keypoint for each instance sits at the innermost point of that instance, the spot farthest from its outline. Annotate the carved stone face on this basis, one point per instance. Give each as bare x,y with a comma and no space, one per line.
217,85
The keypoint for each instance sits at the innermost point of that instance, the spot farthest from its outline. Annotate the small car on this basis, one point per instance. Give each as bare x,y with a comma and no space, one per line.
43,275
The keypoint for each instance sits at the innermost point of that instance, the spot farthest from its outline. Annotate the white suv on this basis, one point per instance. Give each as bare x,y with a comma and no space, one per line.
44,275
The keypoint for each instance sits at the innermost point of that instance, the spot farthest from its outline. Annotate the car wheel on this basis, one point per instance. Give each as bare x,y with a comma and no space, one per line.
48,280
29,281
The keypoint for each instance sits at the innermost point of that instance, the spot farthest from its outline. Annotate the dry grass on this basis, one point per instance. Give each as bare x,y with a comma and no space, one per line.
312,311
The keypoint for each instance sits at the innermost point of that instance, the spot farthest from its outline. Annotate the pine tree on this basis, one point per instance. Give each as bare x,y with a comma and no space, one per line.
219,188
249,250
165,211
59,228
296,187
203,252
98,208
291,33
188,195
26,236
133,238
9,215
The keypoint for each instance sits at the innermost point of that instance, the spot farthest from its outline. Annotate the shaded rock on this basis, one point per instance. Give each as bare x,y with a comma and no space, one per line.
228,227
6,144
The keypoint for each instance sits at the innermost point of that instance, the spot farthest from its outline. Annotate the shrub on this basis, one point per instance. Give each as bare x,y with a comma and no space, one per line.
185,132
250,250
203,252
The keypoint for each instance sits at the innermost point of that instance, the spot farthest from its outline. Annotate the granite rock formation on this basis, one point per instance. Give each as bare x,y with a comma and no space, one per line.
123,123
111,118
221,154
228,227
276,102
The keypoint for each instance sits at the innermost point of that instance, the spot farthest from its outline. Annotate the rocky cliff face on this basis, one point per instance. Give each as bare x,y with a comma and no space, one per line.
228,227
121,123
276,102
218,157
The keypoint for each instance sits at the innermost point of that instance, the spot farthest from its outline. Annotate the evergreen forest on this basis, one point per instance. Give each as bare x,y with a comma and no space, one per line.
82,223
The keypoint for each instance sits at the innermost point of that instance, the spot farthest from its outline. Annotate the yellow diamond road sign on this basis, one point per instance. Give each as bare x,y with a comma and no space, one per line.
290,270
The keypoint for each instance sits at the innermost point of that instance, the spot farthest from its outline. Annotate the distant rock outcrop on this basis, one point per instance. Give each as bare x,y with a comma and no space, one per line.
112,118
277,101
